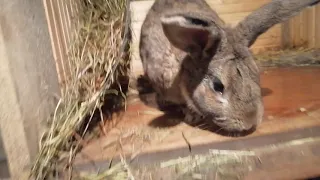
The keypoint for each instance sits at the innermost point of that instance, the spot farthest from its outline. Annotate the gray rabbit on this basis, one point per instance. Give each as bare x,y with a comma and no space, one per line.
194,60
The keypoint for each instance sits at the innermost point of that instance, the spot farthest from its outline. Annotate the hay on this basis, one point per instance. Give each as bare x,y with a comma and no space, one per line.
99,60
289,57
117,172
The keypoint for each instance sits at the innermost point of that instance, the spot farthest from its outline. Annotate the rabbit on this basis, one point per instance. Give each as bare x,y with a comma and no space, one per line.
194,60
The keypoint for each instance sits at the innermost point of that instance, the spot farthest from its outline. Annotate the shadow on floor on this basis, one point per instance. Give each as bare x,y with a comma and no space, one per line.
4,170
316,178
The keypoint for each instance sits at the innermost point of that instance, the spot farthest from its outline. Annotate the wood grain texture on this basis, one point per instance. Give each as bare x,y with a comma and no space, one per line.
298,161
303,30
275,156
311,29
317,26
59,14
54,39
28,78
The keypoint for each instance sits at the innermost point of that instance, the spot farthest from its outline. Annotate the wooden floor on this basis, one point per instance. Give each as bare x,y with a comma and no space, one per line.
292,103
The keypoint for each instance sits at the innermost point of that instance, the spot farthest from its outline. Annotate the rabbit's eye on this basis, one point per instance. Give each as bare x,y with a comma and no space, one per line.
217,85
198,22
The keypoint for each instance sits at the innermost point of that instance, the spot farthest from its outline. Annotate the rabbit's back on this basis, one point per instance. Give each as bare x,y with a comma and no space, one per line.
160,64
161,61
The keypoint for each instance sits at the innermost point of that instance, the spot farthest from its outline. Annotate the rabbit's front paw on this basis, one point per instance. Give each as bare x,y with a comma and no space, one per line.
191,117
164,105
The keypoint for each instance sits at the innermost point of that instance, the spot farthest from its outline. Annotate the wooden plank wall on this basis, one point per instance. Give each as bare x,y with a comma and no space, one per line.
317,26
59,14
303,30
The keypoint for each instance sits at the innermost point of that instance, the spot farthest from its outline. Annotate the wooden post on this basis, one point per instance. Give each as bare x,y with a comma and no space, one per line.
58,15
304,27
317,26
28,80
311,27
299,31
286,35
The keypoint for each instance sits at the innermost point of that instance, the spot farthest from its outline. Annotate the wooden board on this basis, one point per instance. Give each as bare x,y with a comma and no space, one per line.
59,14
295,159
303,28
311,30
317,26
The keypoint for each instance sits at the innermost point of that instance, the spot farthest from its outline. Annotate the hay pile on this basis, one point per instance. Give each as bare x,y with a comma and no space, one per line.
289,57
99,59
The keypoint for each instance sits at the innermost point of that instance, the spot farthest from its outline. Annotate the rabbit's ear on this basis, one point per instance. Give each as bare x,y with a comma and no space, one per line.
190,34
269,15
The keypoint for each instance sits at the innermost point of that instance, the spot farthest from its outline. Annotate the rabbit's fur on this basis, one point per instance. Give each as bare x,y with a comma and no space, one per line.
191,57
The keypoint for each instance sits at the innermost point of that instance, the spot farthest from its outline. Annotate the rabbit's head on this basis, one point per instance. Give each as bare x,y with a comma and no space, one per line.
220,79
